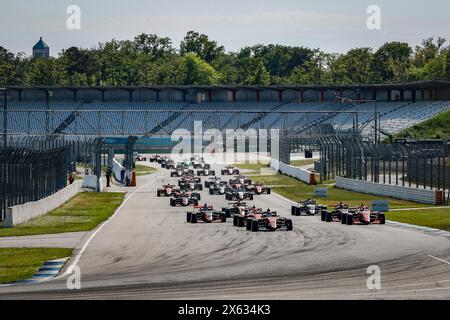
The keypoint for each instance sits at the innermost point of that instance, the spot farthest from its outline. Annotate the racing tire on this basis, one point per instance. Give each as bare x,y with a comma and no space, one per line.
196,203
188,217
323,215
211,192
289,225
227,213
344,218
255,226
241,222
206,184
328,217
237,172
269,191
293,210
224,218
201,187
172,202
222,172
251,197
158,193
349,220
193,218
235,221
382,219
249,223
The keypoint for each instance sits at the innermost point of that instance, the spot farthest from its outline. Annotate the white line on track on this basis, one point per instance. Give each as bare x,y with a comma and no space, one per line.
86,244
441,260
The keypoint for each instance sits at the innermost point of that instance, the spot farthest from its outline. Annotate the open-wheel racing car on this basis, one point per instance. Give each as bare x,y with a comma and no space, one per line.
230,171
335,215
238,194
259,188
180,171
218,188
155,158
236,208
190,185
185,199
206,172
167,190
308,207
212,180
363,215
205,214
240,182
268,221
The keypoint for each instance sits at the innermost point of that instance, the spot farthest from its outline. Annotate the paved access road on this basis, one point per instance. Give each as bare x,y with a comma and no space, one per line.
148,251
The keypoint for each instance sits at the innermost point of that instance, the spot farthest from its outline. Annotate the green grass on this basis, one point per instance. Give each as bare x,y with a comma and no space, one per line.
82,213
301,163
296,190
437,127
254,167
143,170
20,264
435,218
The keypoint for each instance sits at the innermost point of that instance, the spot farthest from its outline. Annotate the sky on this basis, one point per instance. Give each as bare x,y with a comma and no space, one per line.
331,25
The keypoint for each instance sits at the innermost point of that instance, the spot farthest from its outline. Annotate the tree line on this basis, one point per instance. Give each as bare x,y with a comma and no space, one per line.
152,60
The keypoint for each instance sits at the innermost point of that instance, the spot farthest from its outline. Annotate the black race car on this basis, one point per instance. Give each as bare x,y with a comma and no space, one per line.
205,214
185,199
206,172
218,188
230,171
238,195
335,215
191,186
309,208
167,191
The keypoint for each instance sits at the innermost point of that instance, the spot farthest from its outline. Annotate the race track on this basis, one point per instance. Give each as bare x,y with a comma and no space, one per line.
148,251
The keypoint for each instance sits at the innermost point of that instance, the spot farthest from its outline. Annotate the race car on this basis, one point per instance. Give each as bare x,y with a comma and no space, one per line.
363,215
240,219
237,208
238,194
180,171
168,164
155,158
308,207
141,158
185,199
206,172
190,186
335,215
205,214
189,178
167,191
198,163
213,180
240,182
218,188
269,221
230,171
259,188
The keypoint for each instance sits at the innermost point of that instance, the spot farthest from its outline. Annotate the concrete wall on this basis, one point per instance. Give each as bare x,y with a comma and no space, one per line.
392,191
295,172
27,211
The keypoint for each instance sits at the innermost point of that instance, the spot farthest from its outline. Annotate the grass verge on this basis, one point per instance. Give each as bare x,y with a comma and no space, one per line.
296,190
143,170
83,212
21,263
301,163
435,218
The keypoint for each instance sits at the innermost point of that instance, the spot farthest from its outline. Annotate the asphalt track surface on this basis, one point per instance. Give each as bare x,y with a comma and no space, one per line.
148,251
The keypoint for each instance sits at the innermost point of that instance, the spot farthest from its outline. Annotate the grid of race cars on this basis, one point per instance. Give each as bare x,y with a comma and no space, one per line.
239,189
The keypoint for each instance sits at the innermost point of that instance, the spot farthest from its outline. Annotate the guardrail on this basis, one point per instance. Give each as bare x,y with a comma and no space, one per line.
392,191
27,211
294,172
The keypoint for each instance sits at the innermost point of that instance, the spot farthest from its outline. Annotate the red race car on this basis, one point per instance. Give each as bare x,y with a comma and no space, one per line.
363,215
270,221
259,188
205,214
167,191
229,171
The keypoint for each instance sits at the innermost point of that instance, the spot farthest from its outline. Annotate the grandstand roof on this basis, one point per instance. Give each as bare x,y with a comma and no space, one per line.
431,84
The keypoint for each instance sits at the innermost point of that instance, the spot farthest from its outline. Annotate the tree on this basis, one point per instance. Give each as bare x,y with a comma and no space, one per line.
153,46
352,67
198,72
447,64
391,62
43,72
261,76
12,68
200,44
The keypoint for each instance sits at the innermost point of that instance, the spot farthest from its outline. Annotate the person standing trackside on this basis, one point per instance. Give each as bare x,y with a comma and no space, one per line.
108,177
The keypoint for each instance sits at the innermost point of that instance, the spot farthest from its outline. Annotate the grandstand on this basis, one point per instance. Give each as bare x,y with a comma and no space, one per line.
158,111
